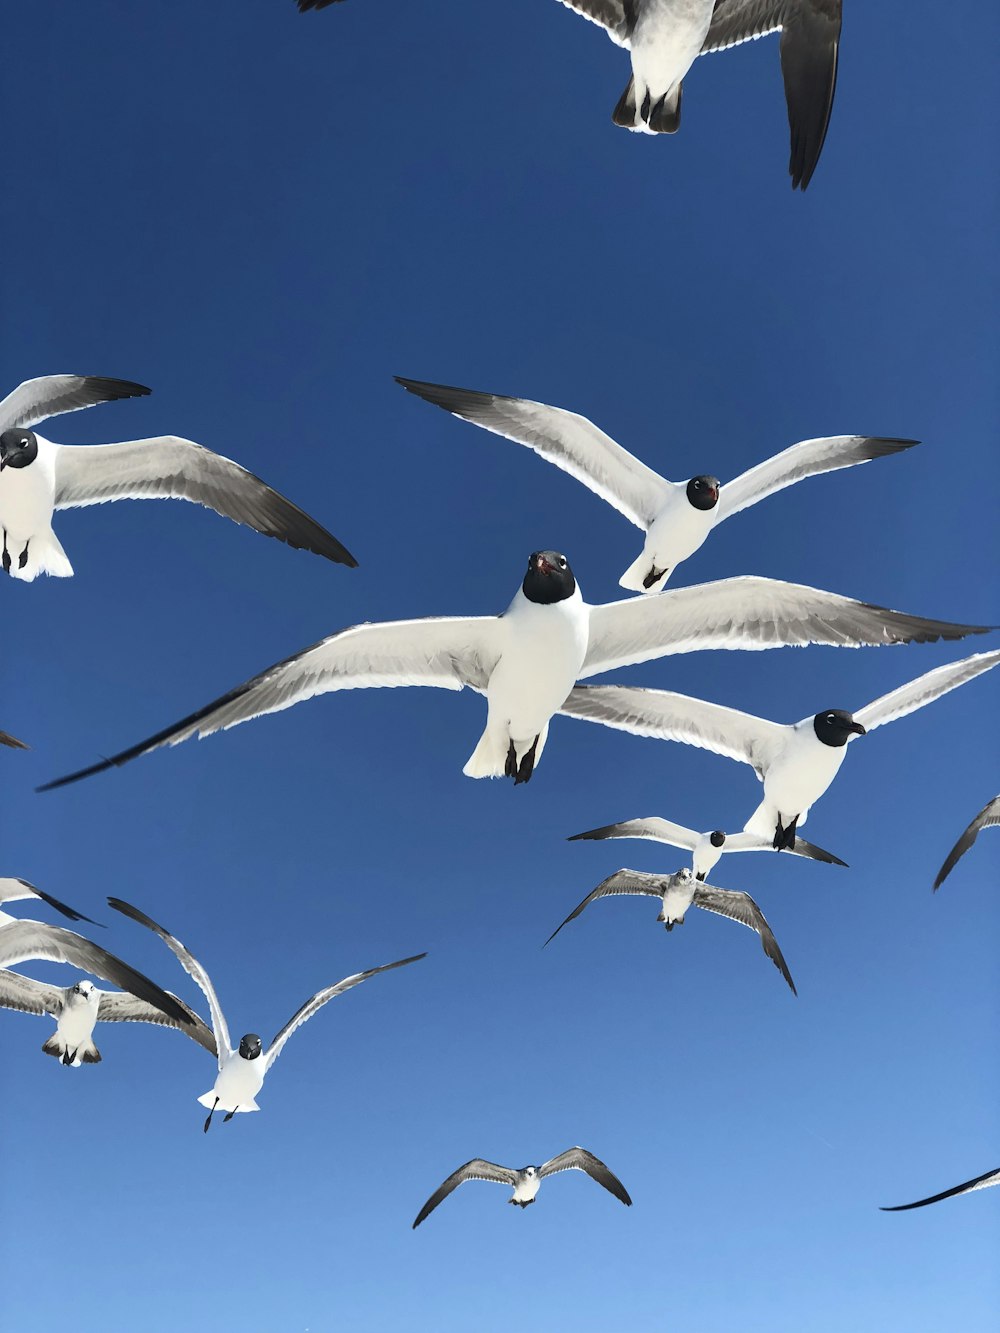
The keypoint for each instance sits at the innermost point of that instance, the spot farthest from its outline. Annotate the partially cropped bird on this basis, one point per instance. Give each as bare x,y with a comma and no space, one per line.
988,817
978,1183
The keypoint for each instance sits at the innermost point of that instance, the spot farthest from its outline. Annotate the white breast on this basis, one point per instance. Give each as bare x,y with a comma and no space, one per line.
678,530
27,495
677,899
705,857
668,38
803,771
543,648
526,1188
239,1081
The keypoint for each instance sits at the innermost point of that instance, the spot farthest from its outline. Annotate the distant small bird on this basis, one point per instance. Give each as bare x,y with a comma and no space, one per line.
980,1183
242,1070
707,848
677,893
12,742
23,940
988,817
77,1009
676,516
37,477
526,1181
796,763
305,5
665,38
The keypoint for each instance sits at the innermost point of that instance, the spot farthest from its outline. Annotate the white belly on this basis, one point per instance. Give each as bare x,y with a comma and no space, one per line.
76,1024
676,901
238,1083
525,1190
802,773
705,857
543,652
678,531
26,500
667,40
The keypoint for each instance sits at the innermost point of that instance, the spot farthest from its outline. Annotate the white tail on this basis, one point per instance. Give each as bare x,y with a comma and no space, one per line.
489,758
45,556
762,821
632,579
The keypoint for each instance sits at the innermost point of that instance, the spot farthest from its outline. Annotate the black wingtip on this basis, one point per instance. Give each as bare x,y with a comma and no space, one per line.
126,909
80,773
70,912
112,389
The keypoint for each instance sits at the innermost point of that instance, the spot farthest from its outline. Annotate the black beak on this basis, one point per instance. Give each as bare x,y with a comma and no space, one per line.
858,729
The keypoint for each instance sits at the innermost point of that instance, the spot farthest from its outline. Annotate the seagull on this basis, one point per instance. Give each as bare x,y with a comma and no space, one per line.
980,1183
78,1008
706,848
526,1181
37,477
22,940
676,516
796,763
665,37
527,660
988,817
12,741
242,1070
677,893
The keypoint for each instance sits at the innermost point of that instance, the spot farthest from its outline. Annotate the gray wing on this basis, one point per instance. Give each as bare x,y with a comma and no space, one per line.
616,17
36,400
579,1159
742,908
16,890
753,842
988,817
194,970
120,1007
747,612
170,468
657,830
446,652
980,1183
477,1169
564,438
632,882
924,690
317,1001
31,997
24,940
808,458
7,739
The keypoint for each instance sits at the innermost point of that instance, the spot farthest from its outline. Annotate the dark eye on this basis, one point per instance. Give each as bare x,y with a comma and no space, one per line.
830,717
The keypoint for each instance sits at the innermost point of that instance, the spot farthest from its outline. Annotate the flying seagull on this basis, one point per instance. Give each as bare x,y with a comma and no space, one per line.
706,848
665,37
676,516
242,1070
22,940
796,763
77,1009
677,893
527,660
526,1181
988,817
980,1183
37,477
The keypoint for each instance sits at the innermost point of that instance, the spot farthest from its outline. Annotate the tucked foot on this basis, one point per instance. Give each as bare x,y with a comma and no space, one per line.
229,1114
22,559
527,764
654,576
6,555
788,840
510,767
208,1119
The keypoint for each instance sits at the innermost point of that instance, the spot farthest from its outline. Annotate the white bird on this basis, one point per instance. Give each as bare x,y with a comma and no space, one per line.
979,1183
242,1070
676,516
527,660
37,477
988,817
78,1008
677,893
23,940
665,37
526,1181
796,763
706,848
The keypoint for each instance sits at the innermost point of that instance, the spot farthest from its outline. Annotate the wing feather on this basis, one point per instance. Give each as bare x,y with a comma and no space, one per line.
29,996
120,1007
47,396
477,1169
616,17
988,817
979,1183
579,1159
924,690
632,882
653,828
742,908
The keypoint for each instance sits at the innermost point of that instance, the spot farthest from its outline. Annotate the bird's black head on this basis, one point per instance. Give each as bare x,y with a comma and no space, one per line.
703,492
18,448
717,838
835,727
250,1046
549,578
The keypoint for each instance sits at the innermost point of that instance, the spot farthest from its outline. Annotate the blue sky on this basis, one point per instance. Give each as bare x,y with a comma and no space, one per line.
264,216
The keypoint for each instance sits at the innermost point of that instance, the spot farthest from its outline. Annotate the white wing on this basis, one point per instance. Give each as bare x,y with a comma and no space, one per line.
657,830
579,1159
806,459
753,842
30,997
742,908
36,400
747,612
477,1169
120,1007
979,1183
631,882
988,817
569,441
924,690
616,17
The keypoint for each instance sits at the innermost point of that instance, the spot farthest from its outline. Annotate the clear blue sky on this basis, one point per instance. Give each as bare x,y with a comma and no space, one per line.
264,216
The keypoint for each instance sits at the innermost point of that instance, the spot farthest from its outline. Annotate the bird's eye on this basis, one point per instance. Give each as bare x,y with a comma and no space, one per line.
562,564
830,717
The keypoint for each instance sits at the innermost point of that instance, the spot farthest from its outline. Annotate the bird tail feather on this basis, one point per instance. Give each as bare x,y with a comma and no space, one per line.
489,758
87,1054
632,579
45,556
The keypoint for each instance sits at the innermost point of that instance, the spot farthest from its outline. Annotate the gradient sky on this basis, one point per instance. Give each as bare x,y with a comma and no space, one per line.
264,216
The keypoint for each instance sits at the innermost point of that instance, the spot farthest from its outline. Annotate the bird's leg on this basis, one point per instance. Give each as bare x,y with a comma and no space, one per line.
229,1115
23,557
789,840
510,767
654,576
6,553
208,1121
779,836
527,764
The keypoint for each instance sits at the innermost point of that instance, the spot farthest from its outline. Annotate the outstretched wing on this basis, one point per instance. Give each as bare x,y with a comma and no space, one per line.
120,1007
30,997
477,1169
980,1183
36,400
753,842
16,890
988,817
653,828
616,17
633,882
924,690
742,908
579,1159
7,739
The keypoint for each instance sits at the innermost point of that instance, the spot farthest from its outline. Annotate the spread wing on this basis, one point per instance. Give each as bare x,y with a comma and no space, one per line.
169,468
7,739
317,1001
809,458
980,1183
16,890
657,830
579,1159
30,997
988,817
924,690
616,17
120,1007
36,400
753,842
633,882
742,908
564,438
448,653
477,1169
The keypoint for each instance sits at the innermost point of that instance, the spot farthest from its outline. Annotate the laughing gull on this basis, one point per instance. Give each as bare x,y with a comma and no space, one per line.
706,848
37,477
988,817
22,940
676,516
527,660
677,893
797,762
526,1181
242,1070
665,37
77,1009
980,1183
